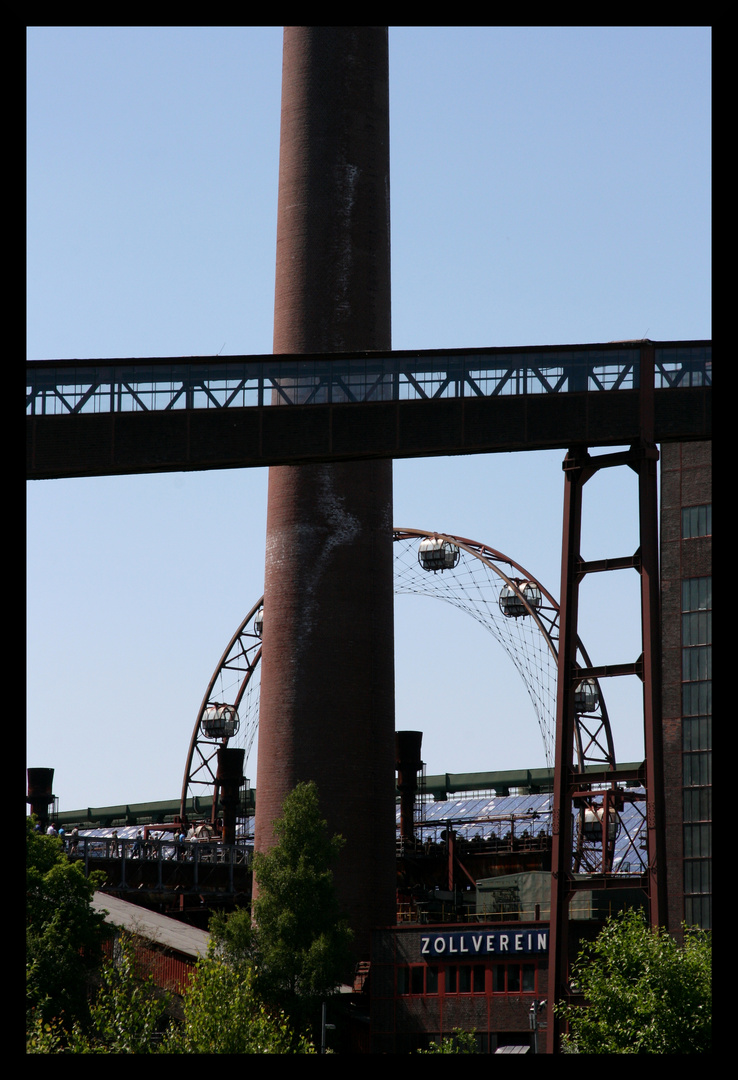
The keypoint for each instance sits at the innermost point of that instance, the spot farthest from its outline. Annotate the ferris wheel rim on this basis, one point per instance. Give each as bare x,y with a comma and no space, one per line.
208,697
487,555
490,556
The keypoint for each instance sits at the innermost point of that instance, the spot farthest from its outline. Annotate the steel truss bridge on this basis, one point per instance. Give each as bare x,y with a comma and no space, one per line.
162,414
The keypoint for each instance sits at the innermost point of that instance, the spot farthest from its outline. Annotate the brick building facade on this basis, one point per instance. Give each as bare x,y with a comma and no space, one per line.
686,620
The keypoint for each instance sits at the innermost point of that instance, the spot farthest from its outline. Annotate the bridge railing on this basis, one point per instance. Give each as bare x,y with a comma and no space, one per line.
123,858
164,384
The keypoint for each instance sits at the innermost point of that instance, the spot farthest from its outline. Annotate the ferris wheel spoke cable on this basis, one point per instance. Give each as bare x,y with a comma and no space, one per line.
495,591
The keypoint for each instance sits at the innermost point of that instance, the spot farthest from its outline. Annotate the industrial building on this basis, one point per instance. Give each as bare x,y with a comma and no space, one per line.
468,946
456,912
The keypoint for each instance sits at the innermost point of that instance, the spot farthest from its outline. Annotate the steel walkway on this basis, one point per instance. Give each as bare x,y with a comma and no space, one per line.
107,417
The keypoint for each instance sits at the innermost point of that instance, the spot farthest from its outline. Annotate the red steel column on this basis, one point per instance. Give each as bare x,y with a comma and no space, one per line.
327,682
648,502
577,473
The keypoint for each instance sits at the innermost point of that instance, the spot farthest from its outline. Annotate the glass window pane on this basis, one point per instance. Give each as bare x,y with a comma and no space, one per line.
697,521
697,663
697,804
697,594
698,911
698,876
697,699
697,733
696,628
697,770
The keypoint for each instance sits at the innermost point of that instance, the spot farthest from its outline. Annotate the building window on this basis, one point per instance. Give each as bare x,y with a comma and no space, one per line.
697,745
422,980
513,979
417,979
465,979
696,521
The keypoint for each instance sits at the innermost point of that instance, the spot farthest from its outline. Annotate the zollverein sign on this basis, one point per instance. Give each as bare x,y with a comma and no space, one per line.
467,944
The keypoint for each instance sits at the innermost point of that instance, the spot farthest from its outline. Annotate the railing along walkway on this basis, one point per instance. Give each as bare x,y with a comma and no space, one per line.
240,382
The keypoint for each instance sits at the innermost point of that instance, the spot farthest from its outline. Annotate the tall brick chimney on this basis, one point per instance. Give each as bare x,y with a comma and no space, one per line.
327,682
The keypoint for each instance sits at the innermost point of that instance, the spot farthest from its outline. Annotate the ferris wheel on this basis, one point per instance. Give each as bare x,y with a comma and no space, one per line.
497,592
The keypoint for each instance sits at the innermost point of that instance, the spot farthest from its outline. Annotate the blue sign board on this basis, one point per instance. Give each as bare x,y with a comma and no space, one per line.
466,944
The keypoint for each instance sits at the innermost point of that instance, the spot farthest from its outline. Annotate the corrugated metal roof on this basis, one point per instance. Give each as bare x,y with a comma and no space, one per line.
629,845
184,939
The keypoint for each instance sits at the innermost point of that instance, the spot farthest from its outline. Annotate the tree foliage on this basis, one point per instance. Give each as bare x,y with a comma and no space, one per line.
458,1042
303,945
233,937
128,1009
125,1016
255,992
64,934
223,1014
644,992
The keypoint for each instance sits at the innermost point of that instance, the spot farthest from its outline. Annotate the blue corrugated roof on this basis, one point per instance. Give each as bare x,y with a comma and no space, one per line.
629,844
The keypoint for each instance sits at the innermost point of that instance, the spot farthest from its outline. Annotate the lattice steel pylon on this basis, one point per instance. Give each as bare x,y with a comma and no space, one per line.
493,589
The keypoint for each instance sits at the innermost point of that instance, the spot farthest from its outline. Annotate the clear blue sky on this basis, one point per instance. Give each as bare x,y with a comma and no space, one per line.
550,185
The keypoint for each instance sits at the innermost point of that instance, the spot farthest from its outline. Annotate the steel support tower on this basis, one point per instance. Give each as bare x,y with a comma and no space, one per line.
327,689
572,790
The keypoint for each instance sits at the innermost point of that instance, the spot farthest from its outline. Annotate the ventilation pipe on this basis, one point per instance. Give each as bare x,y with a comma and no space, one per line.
40,784
230,777
408,765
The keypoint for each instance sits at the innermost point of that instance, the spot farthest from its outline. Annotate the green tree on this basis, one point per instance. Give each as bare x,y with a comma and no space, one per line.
223,1014
64,934
233,937
125,1014
128,1009
458,1042
303,945
644,992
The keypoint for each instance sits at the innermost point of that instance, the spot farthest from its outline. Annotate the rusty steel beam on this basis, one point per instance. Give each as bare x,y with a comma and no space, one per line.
576,474
651,639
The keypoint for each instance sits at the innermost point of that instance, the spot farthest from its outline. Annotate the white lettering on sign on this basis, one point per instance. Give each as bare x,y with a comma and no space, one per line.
460,943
